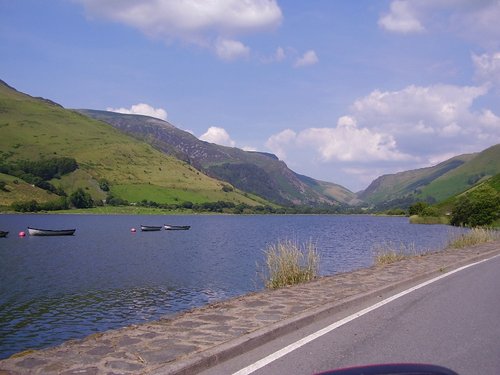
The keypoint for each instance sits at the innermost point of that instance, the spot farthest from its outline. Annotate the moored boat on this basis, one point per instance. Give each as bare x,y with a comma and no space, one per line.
50,232
3,233
177,227
150,228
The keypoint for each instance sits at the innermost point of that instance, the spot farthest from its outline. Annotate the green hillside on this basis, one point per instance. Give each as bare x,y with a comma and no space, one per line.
446,205
482,166
37,129
408,184
433,184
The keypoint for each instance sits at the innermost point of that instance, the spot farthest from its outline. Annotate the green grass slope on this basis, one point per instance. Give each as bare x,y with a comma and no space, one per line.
446,205
34,129
482,166
433,184
406,187
18,190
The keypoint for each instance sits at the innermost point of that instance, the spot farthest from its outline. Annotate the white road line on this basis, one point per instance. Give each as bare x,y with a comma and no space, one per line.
290,348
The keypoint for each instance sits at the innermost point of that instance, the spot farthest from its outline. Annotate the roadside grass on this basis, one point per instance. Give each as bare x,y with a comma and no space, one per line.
474,237
388,252
289,263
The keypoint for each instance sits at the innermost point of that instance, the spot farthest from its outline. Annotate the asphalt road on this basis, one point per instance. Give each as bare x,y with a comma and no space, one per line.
453,322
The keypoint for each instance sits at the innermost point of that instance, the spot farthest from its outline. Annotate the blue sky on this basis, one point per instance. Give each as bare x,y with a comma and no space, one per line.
343,91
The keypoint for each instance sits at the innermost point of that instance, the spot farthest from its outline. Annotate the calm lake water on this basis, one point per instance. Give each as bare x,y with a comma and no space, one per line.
57,288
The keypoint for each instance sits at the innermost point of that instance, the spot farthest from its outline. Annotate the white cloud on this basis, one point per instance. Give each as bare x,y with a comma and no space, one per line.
194,21
415,108
477,21
401,18
280,142
427,121
487,67
219,136
345,142
142,109
472,20
387,131
489,120
308,58
230,50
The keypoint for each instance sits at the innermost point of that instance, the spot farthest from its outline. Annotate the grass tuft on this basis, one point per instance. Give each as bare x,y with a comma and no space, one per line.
288,263
474,237
388,253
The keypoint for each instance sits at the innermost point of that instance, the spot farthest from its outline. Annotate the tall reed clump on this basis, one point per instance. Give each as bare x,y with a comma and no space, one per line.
473,237
388,252
288,263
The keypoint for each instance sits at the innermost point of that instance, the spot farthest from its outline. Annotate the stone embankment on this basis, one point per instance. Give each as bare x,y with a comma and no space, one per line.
197,339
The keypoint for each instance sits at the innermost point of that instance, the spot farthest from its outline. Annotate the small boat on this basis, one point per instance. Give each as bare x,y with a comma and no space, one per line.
177,227
50,232
3,233
150,228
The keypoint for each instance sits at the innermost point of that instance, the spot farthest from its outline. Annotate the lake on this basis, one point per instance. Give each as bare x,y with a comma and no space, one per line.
57,288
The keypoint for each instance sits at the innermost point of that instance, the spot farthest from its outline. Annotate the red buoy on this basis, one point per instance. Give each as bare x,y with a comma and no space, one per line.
133,230
22,234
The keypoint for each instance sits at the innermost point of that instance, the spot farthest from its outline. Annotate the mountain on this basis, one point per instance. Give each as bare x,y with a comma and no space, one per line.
433,184
262,174
37,129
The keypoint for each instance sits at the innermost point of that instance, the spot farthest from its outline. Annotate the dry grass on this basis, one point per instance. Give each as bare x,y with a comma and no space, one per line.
474,237
288,263
388,253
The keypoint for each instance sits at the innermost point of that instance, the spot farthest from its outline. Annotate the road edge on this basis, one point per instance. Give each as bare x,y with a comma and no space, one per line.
198,362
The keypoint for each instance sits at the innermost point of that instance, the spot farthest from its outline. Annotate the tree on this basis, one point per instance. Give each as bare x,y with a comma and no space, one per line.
417,208
81,199
480,207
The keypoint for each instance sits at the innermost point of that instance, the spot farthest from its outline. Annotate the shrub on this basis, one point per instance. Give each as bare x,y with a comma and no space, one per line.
104,184
480,207
116,201
430,211
56,204
417,208
26,206
81,199
288,263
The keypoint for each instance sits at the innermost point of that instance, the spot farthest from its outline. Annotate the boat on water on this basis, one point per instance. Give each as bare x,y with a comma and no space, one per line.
150,228
177,227
50,232
3,233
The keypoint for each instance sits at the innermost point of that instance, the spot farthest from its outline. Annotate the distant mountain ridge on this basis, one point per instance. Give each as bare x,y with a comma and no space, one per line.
432,184
259,173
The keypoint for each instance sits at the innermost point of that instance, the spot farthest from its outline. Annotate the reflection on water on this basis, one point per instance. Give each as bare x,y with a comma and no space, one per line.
57,288
41,320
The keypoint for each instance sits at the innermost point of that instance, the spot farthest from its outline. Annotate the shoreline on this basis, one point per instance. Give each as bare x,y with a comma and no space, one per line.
198,338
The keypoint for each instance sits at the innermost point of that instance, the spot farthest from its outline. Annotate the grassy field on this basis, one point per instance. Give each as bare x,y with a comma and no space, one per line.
18,190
